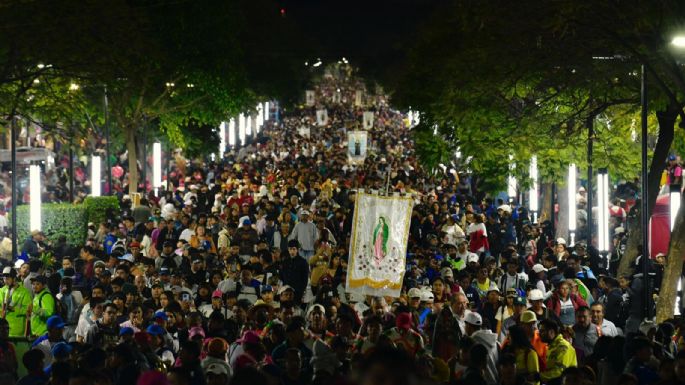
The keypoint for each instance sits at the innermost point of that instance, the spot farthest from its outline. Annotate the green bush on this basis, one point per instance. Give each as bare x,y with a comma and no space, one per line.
57,219
96,208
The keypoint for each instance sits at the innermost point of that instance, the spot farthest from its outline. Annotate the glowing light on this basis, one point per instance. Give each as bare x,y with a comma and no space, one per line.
266,111
603,210
241,128
222,139
35,198
533,193
95,177
511,180
74,87
156,165
679,41
572,204
248,125
674,202
231,132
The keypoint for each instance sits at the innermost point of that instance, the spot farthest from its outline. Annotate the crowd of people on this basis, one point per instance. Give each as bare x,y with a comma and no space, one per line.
236,275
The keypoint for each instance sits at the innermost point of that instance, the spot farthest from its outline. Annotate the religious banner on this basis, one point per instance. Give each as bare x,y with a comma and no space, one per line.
358,98
378,248
337,97
368,120
304,132
310,98
322,117
356,146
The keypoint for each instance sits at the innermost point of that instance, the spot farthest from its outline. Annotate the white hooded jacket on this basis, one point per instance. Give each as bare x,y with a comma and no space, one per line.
489,339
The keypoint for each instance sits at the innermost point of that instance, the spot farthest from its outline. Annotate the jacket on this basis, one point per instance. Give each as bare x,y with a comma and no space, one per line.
19,301
43,308
554,303
295,273
560,355
489,339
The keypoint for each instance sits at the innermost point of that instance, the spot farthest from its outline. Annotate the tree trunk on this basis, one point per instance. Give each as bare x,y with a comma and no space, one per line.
673,268
130,133
663,145
562,221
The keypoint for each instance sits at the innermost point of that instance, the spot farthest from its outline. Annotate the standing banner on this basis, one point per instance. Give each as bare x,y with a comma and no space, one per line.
378,248
310,98
322,117
368,120
337,97
358,98
304,132
356,146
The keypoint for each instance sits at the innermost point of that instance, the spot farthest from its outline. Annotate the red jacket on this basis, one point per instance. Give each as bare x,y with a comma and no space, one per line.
554,303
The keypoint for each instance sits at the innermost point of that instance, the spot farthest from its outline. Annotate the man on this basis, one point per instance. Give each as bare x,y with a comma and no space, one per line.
246,239
316,319
16,300
32,246
560,353
42,307
583,273
8,355
294,338
474,328
612,299
586,333
527,323
512,278
306,234
519,308
295,270
459,304
463,252
104,333
53,336
403,335
606,327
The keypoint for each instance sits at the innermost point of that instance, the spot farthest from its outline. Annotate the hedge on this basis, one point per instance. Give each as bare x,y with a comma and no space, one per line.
97,207
57,219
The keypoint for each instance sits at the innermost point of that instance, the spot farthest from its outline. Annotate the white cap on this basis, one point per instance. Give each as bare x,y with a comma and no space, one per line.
505,208
18,263
305,212
414,293
427,296
446,272
473,318
538,268
581,189
314,307
127,257
561,241
283,288
535,295
6,270
619,230
472,258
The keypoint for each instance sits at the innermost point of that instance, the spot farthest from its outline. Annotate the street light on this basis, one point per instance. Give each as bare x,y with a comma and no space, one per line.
572,205
231,132
222,139
95,178
260,116
266,111
678,41
156,167
35,198
603,210
241,129
533,193
248,125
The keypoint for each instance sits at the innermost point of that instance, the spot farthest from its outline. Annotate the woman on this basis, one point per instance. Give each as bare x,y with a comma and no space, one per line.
135,318
527,363
439,292
564,304
506,310
478,235
335,269
201,239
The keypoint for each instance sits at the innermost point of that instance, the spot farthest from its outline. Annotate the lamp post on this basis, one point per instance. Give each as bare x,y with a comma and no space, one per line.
533,194
156,167
95,177
511,180
231,132
572,205
674,196
266,111
35,198
241,129
603,211
222,139
13,144
645,199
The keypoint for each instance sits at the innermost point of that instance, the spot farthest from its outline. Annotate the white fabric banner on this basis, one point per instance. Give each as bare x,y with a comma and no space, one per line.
356,146
368,120
304,132
358,98
378,248
337,97
322,117
310,98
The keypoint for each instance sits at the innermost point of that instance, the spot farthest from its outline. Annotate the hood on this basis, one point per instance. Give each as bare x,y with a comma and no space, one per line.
485,337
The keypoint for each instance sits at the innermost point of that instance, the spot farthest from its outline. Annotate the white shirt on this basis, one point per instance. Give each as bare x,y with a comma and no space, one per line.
609,329
186,235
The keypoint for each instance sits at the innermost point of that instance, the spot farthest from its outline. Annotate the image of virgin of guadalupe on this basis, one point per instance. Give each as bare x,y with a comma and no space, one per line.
380,240
357,147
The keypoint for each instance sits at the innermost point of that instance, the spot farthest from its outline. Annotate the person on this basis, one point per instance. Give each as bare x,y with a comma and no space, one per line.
528,324
8,355
295,270
404,336
527,361
564,304
612,300
42,307
16,300
33,245
585,334
485,337
306,234
104,332
478,360
294,339
33,361
606,327
642,364
560,353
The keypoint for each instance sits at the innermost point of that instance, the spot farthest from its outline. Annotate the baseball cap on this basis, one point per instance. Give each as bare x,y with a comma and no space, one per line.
671,157
472,258
520,301
561,241
535,295
528,317
305,212
427,296
446,272
164,271
217,294
414,293
126,330
40,278
161,315
316,306
216,369
511,292
284,288
155,330
55,322
127,257
404,321
249,337
267,288
61,349
99,264
538,268
473,318
196,331
493,287
9,272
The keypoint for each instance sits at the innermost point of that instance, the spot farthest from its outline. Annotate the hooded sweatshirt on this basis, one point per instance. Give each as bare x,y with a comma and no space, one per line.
489,339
